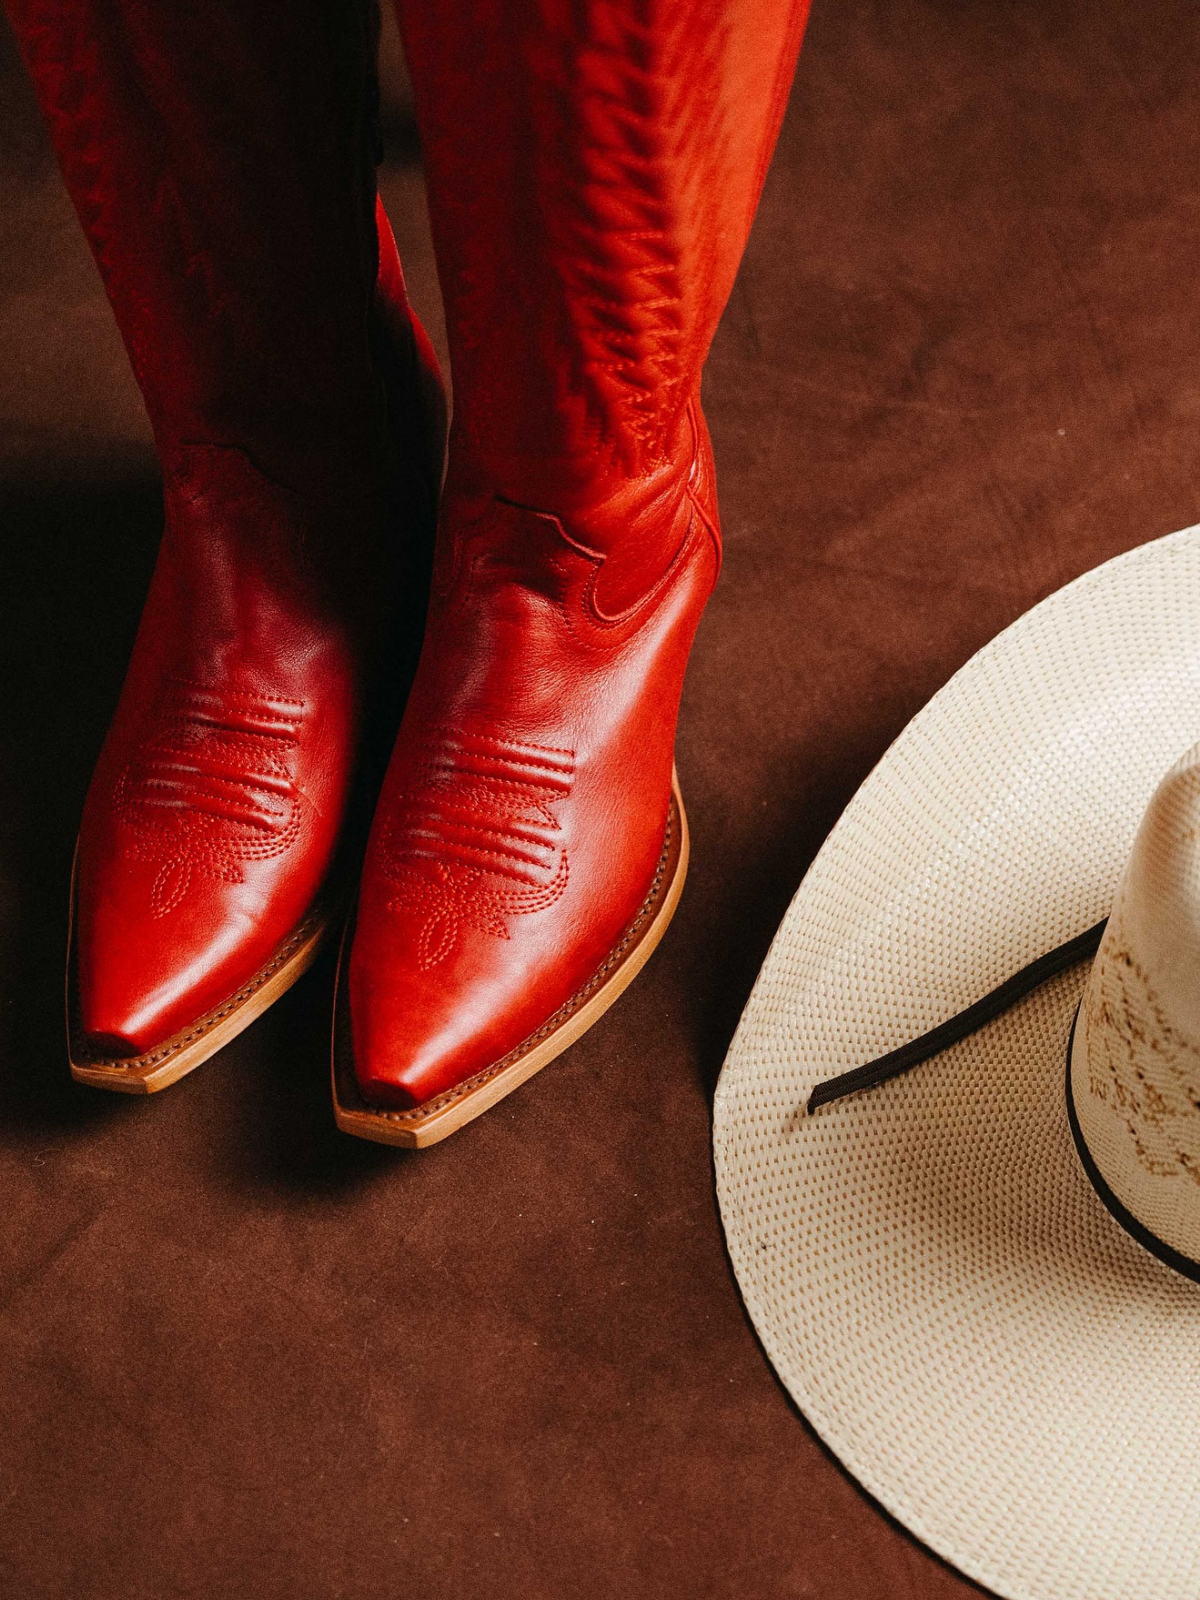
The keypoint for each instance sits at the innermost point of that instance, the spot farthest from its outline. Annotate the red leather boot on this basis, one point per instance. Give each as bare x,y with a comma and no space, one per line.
220,157
593,171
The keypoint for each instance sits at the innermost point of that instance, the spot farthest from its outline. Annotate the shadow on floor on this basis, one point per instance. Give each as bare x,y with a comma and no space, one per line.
74,564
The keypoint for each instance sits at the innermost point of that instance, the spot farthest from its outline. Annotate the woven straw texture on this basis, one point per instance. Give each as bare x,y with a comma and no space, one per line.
930,1273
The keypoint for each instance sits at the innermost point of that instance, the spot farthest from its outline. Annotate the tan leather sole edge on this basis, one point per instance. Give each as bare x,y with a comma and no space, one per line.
436,1119
192,1046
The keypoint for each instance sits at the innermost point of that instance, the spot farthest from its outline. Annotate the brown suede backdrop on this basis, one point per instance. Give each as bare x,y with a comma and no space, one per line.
243,1357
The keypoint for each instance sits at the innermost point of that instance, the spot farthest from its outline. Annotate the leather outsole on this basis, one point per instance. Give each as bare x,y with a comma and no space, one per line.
192,1046
417,1127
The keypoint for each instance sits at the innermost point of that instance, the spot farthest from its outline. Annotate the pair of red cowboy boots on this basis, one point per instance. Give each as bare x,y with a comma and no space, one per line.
593,171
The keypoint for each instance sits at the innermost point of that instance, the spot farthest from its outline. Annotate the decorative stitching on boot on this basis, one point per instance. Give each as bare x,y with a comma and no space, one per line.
211,786
628,148
417,1114
476,840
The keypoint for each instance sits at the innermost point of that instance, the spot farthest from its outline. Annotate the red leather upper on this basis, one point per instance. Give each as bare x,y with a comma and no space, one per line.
592,173
222,792
523,815
220,159
593,168
219,156
215,808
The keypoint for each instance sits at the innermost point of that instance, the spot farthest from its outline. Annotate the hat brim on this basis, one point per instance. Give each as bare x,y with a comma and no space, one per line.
932,1275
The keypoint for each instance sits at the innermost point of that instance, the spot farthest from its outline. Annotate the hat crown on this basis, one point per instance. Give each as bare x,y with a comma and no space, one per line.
1135,1067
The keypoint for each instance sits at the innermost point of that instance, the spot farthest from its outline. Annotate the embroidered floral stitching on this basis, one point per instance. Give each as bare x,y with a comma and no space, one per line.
462,1091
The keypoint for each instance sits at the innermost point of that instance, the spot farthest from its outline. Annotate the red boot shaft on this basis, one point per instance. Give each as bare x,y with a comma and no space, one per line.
593,171
219,156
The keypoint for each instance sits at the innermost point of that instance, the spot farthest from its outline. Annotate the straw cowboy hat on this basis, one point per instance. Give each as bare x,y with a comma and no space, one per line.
967,1225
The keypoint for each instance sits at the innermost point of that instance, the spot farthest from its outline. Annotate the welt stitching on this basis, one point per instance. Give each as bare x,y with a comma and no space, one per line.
206,1023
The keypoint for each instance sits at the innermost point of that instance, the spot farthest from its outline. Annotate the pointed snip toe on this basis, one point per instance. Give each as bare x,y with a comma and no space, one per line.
102,1061
418,1126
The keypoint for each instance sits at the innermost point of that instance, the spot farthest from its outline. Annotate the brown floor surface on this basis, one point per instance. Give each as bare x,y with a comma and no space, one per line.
244,1356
